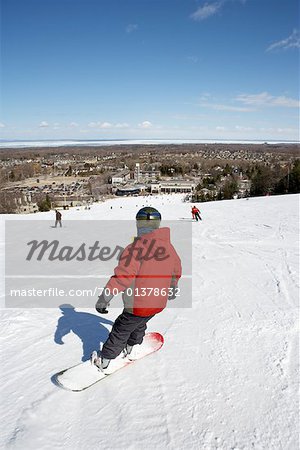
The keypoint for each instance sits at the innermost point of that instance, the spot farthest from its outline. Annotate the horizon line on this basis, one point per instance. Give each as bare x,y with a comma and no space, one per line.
156,141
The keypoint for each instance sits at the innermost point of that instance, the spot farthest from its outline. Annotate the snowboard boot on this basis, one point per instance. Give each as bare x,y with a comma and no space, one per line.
104,363
95,359
108,366
128,349
133,352
101,363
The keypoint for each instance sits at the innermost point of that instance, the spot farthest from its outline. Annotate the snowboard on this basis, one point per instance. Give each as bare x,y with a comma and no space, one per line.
84,375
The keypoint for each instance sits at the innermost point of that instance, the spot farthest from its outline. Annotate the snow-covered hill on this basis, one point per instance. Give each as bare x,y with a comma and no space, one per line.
227,375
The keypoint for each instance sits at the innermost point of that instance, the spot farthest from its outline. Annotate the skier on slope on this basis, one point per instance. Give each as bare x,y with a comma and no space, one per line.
196,213
147,279
57,218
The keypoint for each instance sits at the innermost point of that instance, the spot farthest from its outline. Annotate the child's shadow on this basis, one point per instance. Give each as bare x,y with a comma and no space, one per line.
88,327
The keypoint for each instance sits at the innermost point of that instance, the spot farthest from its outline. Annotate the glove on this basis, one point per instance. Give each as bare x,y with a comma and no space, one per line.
101,306
172,293
103,303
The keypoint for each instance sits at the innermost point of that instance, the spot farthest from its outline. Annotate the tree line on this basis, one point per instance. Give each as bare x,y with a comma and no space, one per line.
264,180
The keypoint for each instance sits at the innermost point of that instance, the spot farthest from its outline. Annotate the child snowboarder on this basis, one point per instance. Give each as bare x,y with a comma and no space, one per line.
146,282
196,213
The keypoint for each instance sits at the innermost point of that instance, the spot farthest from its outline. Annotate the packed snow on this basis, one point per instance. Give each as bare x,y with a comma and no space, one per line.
227,375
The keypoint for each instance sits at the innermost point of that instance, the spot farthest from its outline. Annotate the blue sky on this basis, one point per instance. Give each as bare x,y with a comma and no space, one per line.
184,69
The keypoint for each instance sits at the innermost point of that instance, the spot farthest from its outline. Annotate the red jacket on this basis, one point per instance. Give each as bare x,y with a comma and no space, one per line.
147,269
195,210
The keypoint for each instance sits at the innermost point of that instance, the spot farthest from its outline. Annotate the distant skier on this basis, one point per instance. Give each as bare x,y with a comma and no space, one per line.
57,218
196,213
147,282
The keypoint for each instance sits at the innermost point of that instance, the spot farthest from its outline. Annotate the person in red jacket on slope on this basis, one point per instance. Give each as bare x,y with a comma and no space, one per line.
196,213
147,275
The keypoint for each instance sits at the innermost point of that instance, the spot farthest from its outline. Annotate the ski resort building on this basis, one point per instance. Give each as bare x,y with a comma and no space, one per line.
172,186
130,190
120,177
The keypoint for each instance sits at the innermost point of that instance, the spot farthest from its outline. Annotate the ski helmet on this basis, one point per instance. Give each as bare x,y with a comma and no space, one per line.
148,213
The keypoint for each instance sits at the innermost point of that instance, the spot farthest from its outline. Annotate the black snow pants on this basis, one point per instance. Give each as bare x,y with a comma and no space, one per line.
127,329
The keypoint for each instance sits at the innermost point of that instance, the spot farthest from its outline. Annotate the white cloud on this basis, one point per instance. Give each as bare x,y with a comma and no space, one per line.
44,124
145,124
241,128
188,116
220,107
220,128
193,59
122,125
210,9
100,125
205,96
286,102
293,41
73,125
106,125
287,131
266,99
207,10
131,27
2,125
249,102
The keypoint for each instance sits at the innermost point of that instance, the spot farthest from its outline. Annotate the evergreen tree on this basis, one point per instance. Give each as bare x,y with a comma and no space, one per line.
263,181
45,204
230,188
290,183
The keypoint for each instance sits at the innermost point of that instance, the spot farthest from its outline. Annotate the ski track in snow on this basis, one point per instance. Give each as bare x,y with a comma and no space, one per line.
227,375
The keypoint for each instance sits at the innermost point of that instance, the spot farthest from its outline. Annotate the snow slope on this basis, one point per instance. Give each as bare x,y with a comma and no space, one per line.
227,375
